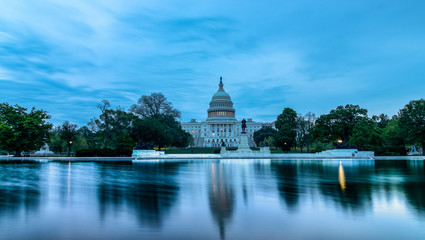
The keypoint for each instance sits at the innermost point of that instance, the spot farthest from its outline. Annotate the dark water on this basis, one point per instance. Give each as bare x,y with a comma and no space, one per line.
213,199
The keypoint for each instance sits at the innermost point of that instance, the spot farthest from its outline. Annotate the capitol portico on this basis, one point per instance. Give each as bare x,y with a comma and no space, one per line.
221,125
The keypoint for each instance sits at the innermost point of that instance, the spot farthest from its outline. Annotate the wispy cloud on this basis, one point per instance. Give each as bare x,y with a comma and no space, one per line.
66,56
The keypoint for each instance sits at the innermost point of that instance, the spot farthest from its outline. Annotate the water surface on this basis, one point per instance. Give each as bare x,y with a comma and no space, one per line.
213,199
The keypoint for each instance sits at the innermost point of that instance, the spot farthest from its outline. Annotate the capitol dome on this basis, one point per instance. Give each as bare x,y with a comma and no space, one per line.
221,105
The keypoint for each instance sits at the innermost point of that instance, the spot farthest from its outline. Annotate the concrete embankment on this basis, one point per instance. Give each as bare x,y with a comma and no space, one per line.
300,156
200,157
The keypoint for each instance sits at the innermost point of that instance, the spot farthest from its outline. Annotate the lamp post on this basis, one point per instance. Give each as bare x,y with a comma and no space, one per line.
69,148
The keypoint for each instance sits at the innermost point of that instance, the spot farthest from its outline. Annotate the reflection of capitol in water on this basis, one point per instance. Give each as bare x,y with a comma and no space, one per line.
221,196
225,179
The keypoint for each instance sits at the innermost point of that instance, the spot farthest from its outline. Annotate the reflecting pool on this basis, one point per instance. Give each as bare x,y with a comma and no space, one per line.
213,199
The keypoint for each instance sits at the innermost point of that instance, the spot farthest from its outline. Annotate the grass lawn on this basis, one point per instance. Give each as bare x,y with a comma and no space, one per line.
192,150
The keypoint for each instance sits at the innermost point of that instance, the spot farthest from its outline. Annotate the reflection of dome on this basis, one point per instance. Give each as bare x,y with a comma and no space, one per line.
221,105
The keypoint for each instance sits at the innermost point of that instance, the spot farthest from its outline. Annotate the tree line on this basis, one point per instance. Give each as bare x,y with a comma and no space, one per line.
114,133
348,126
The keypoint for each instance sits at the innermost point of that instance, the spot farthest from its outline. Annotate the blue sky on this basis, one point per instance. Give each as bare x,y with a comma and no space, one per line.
66,56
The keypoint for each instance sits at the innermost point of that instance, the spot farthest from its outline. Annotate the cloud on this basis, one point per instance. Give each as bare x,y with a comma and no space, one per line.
312,56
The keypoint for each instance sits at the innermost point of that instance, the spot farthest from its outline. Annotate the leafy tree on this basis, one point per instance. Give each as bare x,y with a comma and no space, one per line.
310,120
151,120
154,106
170,131
286,124
56,144
152,130
269,141
305,125
67,132
180,138
262,134
366,135
339,123
381,120
89,136
21,130
114,127
392,139
301,132
412,122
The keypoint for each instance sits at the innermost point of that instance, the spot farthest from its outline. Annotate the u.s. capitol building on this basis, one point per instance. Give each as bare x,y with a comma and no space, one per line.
221,125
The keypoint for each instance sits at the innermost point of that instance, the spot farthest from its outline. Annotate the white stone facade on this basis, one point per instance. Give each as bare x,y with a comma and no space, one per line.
221,125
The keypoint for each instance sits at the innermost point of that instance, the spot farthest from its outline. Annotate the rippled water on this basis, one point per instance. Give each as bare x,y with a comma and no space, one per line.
211,199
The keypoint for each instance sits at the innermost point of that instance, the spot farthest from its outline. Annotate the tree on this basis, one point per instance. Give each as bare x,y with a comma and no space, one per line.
305,125
67,132
152,130
310,120
114,129
55,142
339,123
366,135
301,132
104,105
180,138
381,120
412,122
286,124
261,135
21,130
103,123
392,139
154,106
89,136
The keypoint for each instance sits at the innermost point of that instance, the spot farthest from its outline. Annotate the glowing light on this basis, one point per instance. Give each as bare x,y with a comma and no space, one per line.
341,177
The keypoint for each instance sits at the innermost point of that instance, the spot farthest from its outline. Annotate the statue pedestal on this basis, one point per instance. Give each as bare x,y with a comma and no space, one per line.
223,151
244,150
243,141
243,144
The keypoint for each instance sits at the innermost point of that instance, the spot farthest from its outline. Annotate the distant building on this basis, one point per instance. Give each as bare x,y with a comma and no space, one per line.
221,125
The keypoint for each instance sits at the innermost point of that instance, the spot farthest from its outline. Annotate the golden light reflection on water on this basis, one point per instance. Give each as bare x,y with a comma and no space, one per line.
341,176
69,182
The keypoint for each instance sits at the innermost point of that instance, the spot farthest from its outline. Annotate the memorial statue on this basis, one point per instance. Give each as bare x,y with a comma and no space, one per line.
413,151
243,125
